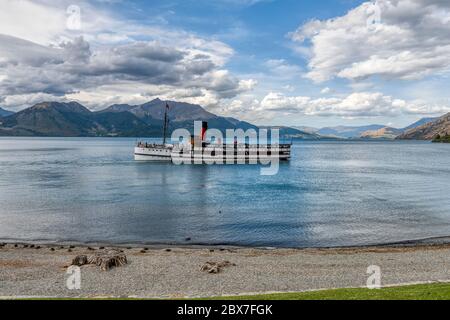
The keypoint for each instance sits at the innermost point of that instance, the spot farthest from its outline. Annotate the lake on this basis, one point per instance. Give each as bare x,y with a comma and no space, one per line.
330,194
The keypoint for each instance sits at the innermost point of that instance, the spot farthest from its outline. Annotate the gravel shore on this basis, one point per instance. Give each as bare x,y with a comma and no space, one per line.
173,273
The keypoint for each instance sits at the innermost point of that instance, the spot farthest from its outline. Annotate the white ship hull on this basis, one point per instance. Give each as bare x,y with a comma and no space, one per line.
153,154
140,157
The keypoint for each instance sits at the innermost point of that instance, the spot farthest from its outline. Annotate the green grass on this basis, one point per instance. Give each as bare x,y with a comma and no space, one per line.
438,291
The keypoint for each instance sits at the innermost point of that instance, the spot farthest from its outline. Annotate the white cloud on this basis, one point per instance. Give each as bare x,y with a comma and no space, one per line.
411,41
355,105
325,90
139,61
46,21
31,20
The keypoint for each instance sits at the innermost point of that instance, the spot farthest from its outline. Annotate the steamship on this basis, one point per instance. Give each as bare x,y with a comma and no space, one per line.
199,151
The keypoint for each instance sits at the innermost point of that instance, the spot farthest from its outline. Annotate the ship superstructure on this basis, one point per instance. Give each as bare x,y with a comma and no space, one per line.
199,151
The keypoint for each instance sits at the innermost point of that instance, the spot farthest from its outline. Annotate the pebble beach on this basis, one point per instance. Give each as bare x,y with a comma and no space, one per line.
173,272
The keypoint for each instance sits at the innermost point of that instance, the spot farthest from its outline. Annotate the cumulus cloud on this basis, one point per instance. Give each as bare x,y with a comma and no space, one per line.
355,105
410,41
145,60
46,21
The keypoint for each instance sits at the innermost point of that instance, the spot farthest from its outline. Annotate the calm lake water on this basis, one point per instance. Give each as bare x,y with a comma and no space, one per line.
330,194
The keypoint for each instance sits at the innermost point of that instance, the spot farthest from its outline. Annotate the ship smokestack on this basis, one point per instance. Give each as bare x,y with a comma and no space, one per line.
204,129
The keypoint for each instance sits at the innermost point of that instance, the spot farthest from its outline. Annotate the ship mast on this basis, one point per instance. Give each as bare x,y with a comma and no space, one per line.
166,122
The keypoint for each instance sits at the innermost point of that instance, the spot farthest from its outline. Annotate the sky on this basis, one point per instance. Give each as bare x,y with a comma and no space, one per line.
270,62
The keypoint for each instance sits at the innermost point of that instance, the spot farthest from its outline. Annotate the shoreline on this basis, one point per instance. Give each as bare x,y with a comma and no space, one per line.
175,272
429,241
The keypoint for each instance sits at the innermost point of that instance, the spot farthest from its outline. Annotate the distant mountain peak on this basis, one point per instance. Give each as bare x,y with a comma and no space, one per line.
419,123
5,113
117,108
61,106
388,133
429,131
178,112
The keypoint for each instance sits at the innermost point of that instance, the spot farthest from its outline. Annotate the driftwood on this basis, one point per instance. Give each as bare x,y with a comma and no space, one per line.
105,260
216,267
80,261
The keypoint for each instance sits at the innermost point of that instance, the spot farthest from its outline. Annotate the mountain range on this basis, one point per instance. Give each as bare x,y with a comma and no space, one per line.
70,119
368,132
346,132
146,120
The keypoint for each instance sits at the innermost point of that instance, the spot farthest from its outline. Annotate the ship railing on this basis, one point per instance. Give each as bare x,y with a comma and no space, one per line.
241,145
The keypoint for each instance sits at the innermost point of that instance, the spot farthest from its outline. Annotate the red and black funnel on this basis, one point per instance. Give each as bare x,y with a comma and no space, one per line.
204,129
